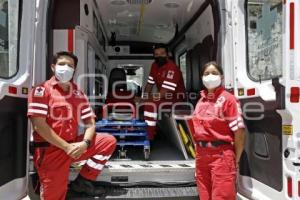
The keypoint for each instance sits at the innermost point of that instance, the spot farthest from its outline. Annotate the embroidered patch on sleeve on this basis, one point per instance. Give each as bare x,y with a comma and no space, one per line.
39,92
77,93
170,74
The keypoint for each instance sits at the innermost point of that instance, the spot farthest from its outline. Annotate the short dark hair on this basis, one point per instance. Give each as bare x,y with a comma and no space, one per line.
160,46
64,53
213,63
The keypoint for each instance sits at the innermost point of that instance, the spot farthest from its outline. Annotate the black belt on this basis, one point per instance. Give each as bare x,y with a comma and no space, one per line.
45,144
34,145
213,143
40,144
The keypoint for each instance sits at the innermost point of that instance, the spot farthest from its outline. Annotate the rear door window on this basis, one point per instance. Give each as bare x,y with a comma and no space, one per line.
9,17
264,32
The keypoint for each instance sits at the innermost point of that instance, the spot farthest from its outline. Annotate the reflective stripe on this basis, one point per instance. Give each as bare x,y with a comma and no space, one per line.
150,114
151,78
87,115
86,110
168,87
38,105
241,125
235,128
150,123
170,84
94,165
101,157
38,111
233,123
151,82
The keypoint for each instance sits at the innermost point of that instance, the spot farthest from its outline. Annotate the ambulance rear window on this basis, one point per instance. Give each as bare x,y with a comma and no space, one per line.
264,33
135,79
9,17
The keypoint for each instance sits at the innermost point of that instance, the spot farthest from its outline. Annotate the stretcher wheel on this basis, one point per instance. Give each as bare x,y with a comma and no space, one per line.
122,154
147,154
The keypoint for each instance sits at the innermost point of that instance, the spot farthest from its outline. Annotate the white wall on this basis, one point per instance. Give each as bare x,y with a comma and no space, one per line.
203,27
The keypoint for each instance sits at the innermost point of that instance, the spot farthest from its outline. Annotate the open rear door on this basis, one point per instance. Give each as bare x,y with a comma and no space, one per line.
291,128
257,32
16,52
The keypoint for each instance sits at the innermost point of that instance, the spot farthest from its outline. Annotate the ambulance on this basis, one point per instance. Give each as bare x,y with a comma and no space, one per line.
255,41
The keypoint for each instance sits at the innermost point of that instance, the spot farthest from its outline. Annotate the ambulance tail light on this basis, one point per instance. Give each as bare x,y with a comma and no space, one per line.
290,186
251,92
298,188
12,90
295,94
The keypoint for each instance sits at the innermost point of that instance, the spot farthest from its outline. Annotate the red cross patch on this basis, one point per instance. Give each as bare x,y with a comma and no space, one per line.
39,91
170,74
77,93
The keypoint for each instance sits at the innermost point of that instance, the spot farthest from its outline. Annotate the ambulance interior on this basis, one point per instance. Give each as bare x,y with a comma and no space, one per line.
109,34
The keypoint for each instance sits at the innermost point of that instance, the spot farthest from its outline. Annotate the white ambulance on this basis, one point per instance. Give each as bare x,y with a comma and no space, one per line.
256,42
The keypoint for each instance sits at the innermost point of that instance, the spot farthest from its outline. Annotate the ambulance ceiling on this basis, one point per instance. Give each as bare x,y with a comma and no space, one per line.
146,20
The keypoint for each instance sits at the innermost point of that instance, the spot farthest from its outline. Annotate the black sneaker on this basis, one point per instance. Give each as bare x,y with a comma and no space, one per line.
82,185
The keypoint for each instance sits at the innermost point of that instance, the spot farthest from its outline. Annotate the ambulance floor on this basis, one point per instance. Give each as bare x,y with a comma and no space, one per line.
161,150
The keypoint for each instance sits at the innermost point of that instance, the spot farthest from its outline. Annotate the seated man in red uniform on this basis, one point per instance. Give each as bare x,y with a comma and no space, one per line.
170,88
55,108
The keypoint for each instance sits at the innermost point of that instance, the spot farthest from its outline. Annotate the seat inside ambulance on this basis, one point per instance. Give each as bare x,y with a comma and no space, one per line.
119,94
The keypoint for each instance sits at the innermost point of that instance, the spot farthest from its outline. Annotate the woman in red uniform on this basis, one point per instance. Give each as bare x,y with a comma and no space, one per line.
219,134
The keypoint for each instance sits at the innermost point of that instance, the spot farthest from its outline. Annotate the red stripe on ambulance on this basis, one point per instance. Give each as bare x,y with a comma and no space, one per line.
292,26
70,40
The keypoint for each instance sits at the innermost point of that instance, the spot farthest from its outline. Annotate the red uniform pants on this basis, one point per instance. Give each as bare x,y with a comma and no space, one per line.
153,111
216,173
53,165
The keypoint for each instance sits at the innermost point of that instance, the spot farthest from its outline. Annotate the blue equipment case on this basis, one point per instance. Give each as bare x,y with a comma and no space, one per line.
128,133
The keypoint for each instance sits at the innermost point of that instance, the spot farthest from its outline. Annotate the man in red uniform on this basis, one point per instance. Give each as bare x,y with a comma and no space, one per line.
170,88
55,108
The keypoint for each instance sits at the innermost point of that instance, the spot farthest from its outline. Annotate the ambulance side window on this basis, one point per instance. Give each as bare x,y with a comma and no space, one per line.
9,17
182,66
264,33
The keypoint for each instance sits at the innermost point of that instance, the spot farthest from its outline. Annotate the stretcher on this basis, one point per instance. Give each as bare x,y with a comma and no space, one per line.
128,130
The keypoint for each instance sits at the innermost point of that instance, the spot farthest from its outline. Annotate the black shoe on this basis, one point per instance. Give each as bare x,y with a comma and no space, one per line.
82,185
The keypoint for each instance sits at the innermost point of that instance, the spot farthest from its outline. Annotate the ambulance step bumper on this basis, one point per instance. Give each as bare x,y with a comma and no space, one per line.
141,171
174,193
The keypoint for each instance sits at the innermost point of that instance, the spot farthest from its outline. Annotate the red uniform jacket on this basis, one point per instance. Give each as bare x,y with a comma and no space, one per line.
63,111
217,117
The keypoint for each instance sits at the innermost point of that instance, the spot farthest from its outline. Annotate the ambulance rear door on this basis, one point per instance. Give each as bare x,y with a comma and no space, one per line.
257,40
291,74
16,58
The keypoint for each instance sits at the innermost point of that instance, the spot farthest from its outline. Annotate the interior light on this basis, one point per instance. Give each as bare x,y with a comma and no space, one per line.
118,2
171,5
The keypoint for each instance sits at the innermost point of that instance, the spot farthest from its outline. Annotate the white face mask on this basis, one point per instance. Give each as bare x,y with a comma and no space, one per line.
211,81
63,73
